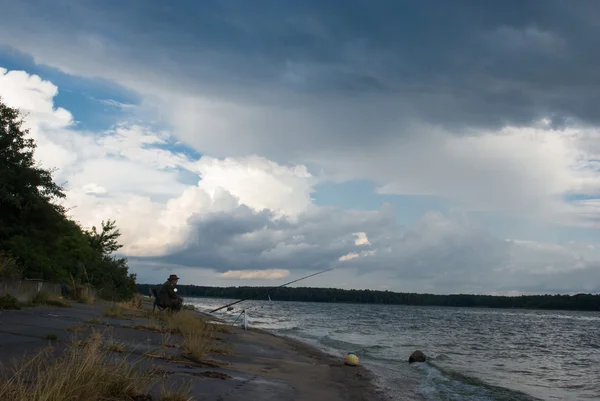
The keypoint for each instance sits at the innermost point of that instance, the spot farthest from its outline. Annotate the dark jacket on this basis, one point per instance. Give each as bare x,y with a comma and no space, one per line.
167,295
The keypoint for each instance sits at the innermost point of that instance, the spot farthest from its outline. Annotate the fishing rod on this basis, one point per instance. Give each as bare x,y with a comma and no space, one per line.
271,289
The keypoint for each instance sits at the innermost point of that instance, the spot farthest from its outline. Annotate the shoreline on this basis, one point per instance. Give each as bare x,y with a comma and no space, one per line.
243,364
351,378
334,381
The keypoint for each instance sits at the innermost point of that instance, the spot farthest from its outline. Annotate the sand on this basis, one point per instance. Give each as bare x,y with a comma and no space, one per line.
259,365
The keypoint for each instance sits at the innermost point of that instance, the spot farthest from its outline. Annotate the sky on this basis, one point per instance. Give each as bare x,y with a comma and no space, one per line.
441,147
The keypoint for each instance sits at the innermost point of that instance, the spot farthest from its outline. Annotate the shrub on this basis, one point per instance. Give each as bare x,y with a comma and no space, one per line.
9,302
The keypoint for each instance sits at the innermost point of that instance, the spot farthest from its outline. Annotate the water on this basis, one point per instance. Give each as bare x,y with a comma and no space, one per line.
473,354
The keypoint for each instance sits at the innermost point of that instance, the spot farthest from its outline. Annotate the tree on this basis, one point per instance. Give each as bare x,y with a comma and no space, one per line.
37,239
569,302
105,241
25,187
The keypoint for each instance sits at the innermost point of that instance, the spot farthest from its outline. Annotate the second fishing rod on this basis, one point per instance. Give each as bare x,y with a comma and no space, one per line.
269,289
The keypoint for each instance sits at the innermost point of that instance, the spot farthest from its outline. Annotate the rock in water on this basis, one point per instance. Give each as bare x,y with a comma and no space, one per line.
417,356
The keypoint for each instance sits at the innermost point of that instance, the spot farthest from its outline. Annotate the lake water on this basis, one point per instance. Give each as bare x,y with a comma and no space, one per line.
473,354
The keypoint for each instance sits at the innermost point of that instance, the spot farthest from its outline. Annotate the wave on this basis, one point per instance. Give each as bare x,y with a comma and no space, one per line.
444,384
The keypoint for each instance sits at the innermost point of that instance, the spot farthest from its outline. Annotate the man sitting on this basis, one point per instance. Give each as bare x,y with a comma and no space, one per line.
167,296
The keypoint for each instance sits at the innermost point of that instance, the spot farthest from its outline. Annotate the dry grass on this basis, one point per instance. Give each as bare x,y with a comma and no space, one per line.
196,333
119,309
81,373
215,349
86,299
158,355
137,301
115,347
220,328
153,325
178,394
166,339
43,298
145,312
78,328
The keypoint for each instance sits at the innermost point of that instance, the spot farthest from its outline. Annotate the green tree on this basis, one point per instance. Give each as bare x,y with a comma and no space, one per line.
37,239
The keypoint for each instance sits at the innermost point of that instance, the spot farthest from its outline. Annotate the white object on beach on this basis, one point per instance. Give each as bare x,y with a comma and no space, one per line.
245,321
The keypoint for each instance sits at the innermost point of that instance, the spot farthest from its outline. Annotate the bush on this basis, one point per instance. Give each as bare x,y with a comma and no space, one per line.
9,302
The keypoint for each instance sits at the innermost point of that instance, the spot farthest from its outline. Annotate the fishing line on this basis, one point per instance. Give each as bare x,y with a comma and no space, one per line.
270,289
236,319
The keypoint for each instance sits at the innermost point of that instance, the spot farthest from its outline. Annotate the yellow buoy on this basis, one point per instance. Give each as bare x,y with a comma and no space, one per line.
351,359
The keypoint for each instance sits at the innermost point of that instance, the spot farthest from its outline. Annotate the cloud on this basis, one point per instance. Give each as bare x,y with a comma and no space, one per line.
272,274
361,239
495,112
464,114
249,217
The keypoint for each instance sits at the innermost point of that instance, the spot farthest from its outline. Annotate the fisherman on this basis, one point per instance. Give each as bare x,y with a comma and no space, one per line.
167,296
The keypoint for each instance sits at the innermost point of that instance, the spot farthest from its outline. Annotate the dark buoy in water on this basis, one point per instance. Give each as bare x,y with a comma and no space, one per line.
417,356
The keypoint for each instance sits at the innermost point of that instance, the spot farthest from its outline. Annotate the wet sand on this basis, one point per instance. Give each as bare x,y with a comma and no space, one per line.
257,366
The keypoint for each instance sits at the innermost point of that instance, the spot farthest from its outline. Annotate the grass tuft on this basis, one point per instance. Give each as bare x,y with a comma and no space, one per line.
9,302
196,333
181,393
220,328
137,301
43,298
115,347
86,299
82,373
78,328
215,349
117,309
52,336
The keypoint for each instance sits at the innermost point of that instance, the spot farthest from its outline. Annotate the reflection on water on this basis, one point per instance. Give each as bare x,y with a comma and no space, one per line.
474,354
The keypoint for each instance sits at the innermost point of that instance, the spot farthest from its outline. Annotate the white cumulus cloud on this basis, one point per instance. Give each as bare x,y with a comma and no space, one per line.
251,217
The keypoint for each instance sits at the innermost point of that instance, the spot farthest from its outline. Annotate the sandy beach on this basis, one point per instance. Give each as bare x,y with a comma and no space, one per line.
248,365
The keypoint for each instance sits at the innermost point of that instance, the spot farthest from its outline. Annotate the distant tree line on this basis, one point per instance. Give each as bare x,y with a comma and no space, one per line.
37,239
586,302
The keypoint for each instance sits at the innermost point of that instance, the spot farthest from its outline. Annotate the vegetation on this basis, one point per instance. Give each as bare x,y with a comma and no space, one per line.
119,309
42,298
83,372
181,393
196,333
304,294
9,302
37,239
86,299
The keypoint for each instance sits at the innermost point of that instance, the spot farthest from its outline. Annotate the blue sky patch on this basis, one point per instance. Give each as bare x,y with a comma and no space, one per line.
94,103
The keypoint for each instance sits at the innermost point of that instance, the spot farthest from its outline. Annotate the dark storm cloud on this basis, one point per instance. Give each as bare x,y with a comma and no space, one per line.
461,63
446,252
249,240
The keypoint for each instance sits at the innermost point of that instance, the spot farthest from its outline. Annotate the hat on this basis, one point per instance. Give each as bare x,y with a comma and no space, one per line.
173,277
